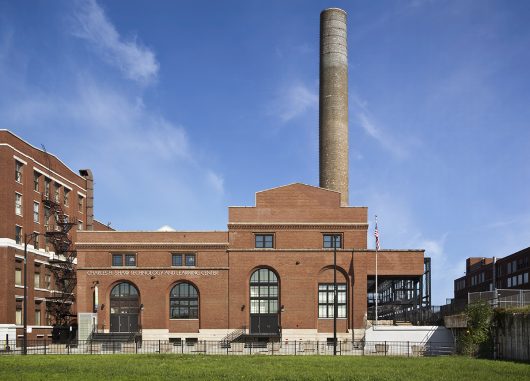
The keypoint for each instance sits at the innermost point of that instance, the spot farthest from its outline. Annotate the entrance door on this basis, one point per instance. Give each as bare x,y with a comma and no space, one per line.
124,308
264,311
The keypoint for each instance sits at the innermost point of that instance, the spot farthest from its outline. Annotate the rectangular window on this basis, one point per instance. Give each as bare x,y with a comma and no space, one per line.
36,241
176,260
48,281
66,196
79,225
18,235
124,260
117,260
57,192
328,241
326,298
37,317
525,278
80,203
18,204
190,260
520,279
47,183
130,260
264,241
46,215
509,282
36,177
18,318
18,171
36,212
18,277
36,280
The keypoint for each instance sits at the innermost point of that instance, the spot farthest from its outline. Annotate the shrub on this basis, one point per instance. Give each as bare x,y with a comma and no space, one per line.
477,340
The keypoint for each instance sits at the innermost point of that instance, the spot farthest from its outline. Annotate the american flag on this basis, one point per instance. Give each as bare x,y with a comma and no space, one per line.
376,234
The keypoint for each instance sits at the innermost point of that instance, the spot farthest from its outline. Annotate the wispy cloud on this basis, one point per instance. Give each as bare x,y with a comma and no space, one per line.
216,181
293,101
135,61
360,111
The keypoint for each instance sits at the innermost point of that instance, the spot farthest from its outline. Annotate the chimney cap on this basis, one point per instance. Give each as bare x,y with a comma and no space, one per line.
334,9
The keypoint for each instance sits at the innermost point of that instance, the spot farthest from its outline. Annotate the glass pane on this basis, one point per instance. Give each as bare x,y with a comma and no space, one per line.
330,310
177,260
254,306
273,306
341,311
190,259
259,241
263,276
331,298
254,291
322,311
273,291
341,297
263,306
254,278
116,260
272,277
322,297
263,291
130,260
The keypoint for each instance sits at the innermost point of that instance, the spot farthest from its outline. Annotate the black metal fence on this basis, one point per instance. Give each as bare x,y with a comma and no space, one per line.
296,348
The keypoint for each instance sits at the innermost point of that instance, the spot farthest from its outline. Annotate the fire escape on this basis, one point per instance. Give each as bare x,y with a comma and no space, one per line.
59,304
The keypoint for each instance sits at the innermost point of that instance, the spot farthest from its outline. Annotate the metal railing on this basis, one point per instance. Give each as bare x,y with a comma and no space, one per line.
503,298
297,348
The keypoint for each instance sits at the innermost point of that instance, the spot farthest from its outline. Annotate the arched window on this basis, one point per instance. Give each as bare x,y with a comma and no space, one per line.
124,308
263,292
183,302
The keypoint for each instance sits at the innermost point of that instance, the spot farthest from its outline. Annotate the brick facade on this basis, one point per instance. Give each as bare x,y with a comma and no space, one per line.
297,216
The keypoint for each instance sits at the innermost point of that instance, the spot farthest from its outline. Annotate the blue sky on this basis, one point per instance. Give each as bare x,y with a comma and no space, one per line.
182,108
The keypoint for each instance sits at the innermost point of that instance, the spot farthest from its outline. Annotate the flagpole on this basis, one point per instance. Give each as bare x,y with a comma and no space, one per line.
376,283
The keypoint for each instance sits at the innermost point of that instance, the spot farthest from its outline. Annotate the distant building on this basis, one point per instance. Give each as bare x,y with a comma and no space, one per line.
511,272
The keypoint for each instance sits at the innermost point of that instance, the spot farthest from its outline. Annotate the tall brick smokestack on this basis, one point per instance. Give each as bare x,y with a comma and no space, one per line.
333,115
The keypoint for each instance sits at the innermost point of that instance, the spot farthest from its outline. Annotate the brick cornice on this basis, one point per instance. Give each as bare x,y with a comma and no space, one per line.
298,226
152,245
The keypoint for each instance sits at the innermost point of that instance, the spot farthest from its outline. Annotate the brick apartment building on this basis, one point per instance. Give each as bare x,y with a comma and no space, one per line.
510,272
31,179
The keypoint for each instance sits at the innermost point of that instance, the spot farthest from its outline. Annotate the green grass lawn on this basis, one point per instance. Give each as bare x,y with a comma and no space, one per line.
198,367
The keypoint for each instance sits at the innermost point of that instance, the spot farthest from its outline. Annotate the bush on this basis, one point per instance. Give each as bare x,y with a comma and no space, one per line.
477,340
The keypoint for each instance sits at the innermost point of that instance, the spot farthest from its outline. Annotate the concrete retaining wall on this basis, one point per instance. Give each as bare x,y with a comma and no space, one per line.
513,337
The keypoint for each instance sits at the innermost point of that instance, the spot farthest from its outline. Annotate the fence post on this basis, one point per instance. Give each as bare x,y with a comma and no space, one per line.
295,347
340,348
159,346
386,348
136,346
181,347
250,345
68,344
408,348
90,346
272,351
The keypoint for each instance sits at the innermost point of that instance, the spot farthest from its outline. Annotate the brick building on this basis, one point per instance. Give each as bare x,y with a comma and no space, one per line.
269,274
32,181
510,272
